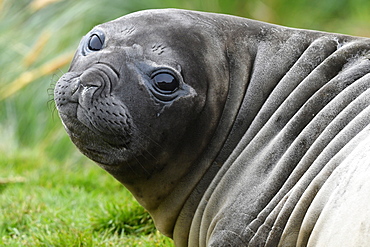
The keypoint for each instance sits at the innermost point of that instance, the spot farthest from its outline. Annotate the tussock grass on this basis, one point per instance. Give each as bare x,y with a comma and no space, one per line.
50,195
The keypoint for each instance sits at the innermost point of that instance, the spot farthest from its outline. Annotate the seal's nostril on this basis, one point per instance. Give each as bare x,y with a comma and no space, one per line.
92,84
75,85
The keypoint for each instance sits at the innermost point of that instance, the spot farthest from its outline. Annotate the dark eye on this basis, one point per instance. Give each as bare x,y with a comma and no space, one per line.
165,82
96,42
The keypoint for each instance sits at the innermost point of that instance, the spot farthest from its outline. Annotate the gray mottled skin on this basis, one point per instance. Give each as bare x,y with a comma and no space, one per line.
265,141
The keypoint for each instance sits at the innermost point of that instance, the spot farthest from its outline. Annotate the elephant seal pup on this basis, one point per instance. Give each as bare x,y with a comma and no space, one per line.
229,131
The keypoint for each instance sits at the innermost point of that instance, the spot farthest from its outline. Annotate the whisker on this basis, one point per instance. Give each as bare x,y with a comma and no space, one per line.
141,165
50,91
145,153
150,139
132,169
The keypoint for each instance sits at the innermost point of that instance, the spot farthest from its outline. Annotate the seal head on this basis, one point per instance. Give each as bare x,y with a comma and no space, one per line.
137,100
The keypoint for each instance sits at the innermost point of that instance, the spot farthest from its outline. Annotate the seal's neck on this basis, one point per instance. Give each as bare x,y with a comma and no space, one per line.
282,115
253,75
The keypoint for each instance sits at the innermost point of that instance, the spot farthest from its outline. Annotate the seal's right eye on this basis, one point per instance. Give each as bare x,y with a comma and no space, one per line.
96,42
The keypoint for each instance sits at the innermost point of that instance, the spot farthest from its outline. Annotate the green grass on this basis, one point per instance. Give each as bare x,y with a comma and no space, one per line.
69,205
50,195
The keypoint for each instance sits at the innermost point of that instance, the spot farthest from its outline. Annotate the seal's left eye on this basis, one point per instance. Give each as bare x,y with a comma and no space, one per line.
96,42
165,82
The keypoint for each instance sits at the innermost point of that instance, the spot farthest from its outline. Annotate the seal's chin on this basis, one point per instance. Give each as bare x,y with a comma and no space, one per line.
125,163
102,149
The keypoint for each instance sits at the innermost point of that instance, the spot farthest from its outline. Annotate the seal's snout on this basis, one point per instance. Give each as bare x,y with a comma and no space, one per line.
85,99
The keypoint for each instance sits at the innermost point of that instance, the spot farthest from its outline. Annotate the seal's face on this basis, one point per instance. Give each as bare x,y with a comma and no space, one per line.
133,94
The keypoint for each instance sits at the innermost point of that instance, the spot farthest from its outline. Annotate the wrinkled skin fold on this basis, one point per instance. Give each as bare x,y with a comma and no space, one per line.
229,131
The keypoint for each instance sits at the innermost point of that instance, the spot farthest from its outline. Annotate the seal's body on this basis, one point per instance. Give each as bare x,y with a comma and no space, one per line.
229,131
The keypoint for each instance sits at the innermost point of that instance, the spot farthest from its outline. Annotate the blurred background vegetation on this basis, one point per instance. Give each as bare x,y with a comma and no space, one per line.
37,42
